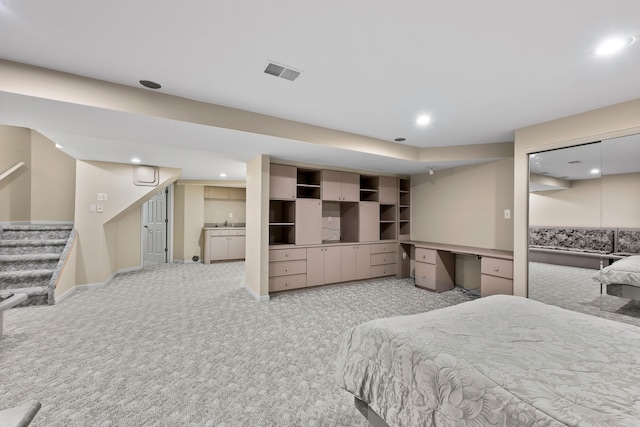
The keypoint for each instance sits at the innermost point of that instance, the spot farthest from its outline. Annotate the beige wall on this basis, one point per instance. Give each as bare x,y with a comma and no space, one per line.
67,279
219,210
53,181
188,222
606,202
99,239
608,122
464,206
15,190
257,252
578,206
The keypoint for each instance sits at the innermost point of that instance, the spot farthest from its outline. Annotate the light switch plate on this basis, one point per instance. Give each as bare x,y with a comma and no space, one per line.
507,214
92,208
102,196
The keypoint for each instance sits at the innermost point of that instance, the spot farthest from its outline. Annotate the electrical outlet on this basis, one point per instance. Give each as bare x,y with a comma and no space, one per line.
507,214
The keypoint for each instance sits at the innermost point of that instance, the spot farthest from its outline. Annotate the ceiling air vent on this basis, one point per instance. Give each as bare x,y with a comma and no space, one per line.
282,71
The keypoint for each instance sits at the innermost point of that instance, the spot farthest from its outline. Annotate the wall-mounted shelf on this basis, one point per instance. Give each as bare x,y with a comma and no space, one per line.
404,209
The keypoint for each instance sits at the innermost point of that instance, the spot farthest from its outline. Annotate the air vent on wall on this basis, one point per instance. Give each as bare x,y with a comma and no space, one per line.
282,71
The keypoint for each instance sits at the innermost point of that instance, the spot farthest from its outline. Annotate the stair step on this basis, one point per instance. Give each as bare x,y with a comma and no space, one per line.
28,262
25,279
35,232
36,295
15,247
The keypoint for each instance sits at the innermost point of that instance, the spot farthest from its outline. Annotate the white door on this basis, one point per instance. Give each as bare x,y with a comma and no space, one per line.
154,232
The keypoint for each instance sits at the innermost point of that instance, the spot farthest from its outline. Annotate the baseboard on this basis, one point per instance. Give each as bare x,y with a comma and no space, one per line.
186,261
90,286
65,295
262,298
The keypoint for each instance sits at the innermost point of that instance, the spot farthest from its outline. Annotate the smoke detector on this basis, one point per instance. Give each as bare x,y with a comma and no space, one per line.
282,71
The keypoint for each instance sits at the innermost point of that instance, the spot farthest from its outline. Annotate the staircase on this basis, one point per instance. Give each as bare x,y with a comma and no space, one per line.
29,258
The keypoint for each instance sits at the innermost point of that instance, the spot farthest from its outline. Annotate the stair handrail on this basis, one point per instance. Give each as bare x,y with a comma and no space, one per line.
11,170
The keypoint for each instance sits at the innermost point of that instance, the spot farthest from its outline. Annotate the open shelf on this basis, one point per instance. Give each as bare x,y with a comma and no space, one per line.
405,213
280,234
308,183
282,217
388,230
404,209
369,188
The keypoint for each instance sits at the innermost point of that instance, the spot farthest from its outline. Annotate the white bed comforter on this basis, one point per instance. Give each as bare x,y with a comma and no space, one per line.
496,361
622,272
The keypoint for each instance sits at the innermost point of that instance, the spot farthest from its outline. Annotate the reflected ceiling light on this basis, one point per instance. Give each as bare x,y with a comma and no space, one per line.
613,45
135,160
223,175
595,171
423,120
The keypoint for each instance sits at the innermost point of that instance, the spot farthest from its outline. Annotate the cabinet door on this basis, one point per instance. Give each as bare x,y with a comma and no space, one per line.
332,264
237,193
216,193
308,221
219,248
282,182
388,190
331,185
237,247
350,187
369,222
363,262
348,263
315,266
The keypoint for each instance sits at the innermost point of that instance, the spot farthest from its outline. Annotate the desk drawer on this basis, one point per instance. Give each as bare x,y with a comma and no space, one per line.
384,248
426,275
491,285
287,254
497,267
383,270
379,259
287,268
426,255
284,283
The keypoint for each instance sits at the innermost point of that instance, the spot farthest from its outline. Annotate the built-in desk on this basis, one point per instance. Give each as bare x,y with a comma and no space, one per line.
435,266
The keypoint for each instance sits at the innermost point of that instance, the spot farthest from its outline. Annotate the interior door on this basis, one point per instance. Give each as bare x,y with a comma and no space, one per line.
154,235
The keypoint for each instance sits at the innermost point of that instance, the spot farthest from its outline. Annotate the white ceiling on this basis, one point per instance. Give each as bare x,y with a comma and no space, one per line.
481,70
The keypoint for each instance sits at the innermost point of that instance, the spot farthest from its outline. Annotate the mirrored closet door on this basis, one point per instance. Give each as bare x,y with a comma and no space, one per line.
584,214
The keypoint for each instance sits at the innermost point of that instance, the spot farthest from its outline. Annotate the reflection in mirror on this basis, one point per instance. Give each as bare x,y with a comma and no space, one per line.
581,200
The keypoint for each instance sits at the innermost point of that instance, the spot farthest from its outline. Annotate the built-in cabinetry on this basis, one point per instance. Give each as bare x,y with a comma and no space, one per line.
287,269
337,218
224,193
496,276
224,244
404,209
435,270
435,266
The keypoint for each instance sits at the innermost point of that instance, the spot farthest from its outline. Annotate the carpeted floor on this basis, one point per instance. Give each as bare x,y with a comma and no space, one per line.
185,345
573,288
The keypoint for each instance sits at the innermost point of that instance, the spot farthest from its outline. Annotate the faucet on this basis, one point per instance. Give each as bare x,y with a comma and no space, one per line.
225,223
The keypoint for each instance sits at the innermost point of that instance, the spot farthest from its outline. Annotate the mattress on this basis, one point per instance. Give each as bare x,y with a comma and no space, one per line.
622,272
499,360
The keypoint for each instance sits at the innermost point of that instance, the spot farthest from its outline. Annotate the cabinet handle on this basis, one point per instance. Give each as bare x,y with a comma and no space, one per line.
286,270
286,255
496,269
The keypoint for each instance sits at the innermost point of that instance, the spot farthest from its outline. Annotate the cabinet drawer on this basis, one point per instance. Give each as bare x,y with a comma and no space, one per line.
238,232
379,259
497,267
287,268
383,270
218,232
491,285
426,275
384,248
426,255
287,282
287,254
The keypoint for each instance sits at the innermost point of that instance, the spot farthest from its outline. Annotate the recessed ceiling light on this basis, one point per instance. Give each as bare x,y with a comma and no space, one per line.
595,171
150,84
223,175
423,120
135,160
613,45
400,139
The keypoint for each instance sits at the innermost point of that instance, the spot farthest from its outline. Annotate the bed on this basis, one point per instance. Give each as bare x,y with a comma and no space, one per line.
622,278
500,360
